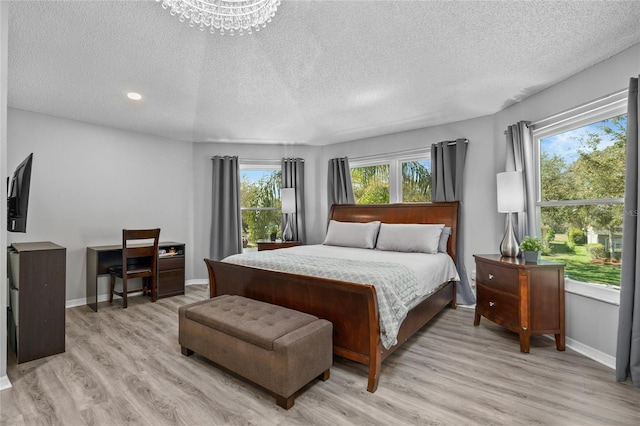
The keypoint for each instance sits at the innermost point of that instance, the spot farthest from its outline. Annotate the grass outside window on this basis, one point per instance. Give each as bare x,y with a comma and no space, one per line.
579,266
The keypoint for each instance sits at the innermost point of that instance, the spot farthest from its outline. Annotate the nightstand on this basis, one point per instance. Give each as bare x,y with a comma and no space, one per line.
273,245
527,298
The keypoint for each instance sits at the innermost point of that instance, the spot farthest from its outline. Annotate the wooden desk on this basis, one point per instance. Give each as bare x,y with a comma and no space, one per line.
170,269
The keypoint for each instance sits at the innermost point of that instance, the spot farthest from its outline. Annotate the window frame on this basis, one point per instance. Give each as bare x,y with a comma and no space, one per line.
394,160
601,109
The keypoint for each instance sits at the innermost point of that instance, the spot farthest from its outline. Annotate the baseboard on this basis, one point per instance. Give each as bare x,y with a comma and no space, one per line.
4,383
193,282
80,302
596,355
104,297
592,353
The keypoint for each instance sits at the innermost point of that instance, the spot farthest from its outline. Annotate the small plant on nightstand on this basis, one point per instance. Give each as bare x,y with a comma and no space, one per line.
272,231
531,248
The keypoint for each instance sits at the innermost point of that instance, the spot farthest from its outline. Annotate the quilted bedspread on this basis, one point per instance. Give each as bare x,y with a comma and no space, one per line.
396,285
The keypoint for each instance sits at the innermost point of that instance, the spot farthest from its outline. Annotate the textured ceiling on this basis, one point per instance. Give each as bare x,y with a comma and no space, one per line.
321,72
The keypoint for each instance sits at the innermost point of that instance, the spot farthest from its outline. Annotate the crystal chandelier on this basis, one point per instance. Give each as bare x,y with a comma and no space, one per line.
224,15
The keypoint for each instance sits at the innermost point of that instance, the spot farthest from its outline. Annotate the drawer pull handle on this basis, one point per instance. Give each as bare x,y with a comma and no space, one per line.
491,304
490,276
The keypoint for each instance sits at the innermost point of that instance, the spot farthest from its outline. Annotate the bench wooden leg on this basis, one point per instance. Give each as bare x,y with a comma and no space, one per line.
186,351
285,403
325,376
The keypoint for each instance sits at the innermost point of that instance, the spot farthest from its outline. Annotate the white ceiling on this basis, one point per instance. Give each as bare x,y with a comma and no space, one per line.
321,72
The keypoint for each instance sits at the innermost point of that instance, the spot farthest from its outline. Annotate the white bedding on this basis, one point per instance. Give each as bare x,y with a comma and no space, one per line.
431,269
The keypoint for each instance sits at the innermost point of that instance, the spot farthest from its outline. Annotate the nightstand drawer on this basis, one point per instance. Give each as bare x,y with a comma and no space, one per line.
499,278
168,263
499,307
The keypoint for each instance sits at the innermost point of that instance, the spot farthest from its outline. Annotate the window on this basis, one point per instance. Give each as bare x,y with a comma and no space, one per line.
416,181
259,204
371,184
392,178
581,193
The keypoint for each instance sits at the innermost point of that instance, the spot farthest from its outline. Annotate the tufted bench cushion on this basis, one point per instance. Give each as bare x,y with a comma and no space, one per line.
249,320
275,347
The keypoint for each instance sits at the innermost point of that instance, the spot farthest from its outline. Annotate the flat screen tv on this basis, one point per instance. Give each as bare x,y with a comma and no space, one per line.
18,197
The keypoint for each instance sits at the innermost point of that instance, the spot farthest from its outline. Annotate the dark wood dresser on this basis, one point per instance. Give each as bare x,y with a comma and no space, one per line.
527,298
38,287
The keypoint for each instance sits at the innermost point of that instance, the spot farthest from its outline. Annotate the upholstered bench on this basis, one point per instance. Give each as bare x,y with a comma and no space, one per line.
277,348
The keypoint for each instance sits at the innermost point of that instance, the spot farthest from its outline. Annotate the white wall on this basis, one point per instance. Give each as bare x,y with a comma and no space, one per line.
89,182
592,327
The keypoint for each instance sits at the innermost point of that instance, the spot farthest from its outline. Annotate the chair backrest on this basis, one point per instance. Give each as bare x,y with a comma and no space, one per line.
140,243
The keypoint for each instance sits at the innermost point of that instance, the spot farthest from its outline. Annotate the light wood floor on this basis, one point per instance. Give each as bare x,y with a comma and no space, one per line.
125,367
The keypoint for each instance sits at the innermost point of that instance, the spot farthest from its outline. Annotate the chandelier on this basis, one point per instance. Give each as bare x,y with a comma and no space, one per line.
224,15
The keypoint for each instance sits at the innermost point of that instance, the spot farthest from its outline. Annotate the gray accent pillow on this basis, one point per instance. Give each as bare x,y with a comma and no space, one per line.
352,234
444,238
421,238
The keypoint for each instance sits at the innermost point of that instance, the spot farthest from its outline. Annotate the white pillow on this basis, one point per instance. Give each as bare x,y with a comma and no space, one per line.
409,237
352,234
444,238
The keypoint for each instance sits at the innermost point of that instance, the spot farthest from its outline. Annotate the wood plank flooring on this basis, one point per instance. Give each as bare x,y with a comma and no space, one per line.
124,367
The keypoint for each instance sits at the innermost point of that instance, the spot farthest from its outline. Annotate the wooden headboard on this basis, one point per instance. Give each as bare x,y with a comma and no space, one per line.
442,212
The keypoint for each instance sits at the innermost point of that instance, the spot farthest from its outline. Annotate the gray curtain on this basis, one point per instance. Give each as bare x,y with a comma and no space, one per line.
628,350
293,177
339,188
520,159
226,221
447,170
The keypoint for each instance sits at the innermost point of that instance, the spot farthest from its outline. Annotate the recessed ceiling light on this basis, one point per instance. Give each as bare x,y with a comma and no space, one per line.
134,96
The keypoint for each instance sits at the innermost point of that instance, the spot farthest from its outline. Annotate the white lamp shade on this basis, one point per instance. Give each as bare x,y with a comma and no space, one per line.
288,199
510,192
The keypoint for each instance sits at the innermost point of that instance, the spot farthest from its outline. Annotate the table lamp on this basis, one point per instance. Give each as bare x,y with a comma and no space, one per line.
288,202
510,200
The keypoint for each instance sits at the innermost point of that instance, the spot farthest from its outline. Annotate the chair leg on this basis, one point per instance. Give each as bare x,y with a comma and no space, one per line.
112,286
153,286
124,292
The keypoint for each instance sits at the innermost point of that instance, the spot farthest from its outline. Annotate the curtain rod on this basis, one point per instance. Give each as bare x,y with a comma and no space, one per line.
256,160
452,142
399,155
579,107
394,154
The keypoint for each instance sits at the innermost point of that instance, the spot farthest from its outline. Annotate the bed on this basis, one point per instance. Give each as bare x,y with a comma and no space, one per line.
352,307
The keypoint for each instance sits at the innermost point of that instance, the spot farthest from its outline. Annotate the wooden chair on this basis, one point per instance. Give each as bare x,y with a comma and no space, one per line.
139,260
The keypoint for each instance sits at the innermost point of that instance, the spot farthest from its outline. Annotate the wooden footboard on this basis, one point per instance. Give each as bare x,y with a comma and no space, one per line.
352,308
